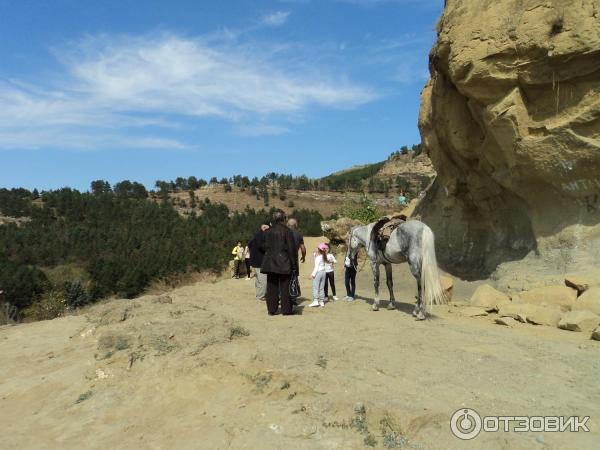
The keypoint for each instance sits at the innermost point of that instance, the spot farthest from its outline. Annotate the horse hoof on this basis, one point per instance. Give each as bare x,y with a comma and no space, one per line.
391,306
420,316
375,308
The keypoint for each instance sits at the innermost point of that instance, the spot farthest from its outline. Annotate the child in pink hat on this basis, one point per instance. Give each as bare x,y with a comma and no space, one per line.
318,276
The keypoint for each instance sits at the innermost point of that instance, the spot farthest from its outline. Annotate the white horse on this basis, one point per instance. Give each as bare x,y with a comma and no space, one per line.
411,242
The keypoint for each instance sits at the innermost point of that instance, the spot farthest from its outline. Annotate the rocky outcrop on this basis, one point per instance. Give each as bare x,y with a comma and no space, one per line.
336,230
511,120
412,173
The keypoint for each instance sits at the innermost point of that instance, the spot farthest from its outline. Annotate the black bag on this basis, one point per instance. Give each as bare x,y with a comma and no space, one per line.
294,285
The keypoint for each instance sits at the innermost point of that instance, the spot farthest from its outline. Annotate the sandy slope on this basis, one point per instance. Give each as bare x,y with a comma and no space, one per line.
189,378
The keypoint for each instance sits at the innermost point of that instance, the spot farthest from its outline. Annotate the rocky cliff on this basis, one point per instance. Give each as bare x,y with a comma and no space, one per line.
511,120
413,173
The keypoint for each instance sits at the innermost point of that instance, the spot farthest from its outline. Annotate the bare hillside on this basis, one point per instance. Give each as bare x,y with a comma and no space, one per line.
326,202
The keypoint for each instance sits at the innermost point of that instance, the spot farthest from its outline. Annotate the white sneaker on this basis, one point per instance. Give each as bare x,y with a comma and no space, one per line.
314,304
321,303
335,297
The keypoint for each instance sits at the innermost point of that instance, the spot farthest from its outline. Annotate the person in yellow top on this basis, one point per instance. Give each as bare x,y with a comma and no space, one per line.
238,252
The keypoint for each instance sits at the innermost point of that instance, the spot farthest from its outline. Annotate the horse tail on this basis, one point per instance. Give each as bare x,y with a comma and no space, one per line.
431,286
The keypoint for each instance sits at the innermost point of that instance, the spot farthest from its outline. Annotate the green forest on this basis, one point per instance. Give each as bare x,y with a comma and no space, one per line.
357,179
74,248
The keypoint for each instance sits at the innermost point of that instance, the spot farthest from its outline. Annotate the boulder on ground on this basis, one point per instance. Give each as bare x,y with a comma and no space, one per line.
577,282
596,334
488,298
589,300
545,315
562,296
337,230
472,311
518,311
579,321
506,321
447,286
535,314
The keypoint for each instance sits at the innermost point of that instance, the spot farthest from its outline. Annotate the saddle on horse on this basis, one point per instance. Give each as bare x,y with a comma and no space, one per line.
384,227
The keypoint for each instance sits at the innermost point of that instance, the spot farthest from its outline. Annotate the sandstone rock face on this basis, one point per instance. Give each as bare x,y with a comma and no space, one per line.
488,298
511,121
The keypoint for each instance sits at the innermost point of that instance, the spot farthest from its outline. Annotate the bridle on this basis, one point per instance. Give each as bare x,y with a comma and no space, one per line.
368,247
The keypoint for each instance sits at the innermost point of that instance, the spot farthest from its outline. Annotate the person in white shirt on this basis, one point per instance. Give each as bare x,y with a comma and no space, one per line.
247,261
318,276
330,274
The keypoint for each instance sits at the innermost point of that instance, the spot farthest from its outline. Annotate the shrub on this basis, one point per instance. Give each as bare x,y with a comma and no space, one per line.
75,295
49,306
367,211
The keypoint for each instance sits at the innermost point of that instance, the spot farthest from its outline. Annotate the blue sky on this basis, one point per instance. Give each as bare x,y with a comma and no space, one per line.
155,89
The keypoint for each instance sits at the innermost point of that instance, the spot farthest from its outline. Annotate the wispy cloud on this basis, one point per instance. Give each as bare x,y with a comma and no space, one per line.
276,19
110,85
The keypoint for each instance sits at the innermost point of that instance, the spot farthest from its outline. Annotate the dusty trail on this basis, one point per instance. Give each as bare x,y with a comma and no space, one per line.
212,370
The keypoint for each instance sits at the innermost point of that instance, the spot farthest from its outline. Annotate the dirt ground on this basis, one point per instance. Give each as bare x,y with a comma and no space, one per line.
203,366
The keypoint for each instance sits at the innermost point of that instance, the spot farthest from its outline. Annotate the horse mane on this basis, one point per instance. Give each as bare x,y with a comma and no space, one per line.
376,229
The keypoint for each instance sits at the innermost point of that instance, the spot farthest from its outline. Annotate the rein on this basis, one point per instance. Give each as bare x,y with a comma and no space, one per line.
352,259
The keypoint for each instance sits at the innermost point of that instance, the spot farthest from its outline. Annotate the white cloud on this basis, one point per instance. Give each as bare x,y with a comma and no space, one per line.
112,84
276,19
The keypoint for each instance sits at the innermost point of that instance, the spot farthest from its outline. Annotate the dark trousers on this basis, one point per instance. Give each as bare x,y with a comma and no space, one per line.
248,267
350,280
330,278
276,284
236,268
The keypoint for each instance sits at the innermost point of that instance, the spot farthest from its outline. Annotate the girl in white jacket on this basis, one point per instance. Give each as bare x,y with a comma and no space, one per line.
330,275
318,276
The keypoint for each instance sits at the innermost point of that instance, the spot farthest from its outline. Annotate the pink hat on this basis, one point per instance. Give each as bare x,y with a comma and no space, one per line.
323,246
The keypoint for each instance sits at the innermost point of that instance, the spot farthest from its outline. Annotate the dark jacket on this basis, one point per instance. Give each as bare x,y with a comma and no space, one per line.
257,249
280,251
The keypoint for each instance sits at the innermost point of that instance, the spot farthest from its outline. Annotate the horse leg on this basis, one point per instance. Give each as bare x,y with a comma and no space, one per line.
390,284
415,269
375,268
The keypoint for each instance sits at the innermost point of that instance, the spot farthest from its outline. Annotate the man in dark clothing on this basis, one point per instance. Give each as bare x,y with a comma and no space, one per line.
299,246
278,263
257,253
298,238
